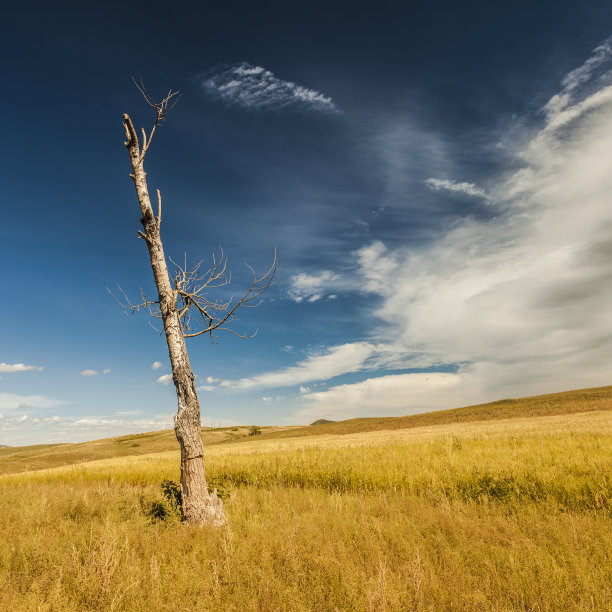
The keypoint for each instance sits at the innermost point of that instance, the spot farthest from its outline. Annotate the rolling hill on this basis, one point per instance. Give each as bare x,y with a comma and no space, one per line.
42,456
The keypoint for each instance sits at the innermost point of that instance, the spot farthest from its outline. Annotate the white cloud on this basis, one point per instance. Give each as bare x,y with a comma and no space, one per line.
312,286
377,267
205,388
250,86
89,373
165,379
106,371
466,188
519,303
18,367
334,361
211,380
523,299
156,365
304,389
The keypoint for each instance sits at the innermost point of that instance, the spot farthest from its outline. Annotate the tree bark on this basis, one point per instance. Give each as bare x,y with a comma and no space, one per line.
198,505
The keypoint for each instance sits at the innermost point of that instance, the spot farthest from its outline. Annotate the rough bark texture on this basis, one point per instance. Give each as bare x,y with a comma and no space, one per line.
197,504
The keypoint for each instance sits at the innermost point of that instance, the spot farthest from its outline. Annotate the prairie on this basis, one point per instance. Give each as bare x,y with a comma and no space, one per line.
492,514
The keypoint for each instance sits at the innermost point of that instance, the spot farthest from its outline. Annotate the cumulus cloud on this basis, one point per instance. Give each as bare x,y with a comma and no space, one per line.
89,373
165,379
211,381
468,189
520,302
156,365
254,87
18,367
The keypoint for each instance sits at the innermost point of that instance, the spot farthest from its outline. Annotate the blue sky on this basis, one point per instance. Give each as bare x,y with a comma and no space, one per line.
436,180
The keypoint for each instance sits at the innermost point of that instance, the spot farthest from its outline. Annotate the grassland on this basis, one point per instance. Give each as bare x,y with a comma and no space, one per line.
42,456
491,514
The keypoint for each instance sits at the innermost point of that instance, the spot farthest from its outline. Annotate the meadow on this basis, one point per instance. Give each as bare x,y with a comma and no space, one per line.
491,514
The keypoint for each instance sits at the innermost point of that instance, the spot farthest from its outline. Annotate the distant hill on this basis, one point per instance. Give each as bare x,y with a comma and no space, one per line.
26,458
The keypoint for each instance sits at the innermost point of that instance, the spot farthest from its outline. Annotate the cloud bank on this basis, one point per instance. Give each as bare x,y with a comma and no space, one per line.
520,303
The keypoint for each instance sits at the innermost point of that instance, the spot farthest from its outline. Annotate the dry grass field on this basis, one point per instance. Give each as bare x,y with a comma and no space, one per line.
492,514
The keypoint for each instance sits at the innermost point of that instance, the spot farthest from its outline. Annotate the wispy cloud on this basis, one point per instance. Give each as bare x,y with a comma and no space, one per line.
468,189
254,87
332,362
18,367
156,365
579,77
12,401
89,373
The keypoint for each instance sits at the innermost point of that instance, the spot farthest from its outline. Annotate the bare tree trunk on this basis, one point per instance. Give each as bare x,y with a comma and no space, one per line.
197,504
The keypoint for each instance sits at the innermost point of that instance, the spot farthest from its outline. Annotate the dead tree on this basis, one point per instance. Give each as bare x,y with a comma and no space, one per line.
186,311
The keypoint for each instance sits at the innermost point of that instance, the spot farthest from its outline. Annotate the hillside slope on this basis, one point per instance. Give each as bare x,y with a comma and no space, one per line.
567,402
22,459
42,456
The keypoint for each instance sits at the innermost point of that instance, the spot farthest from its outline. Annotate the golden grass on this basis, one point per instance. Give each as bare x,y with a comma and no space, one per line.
27,458
499,515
